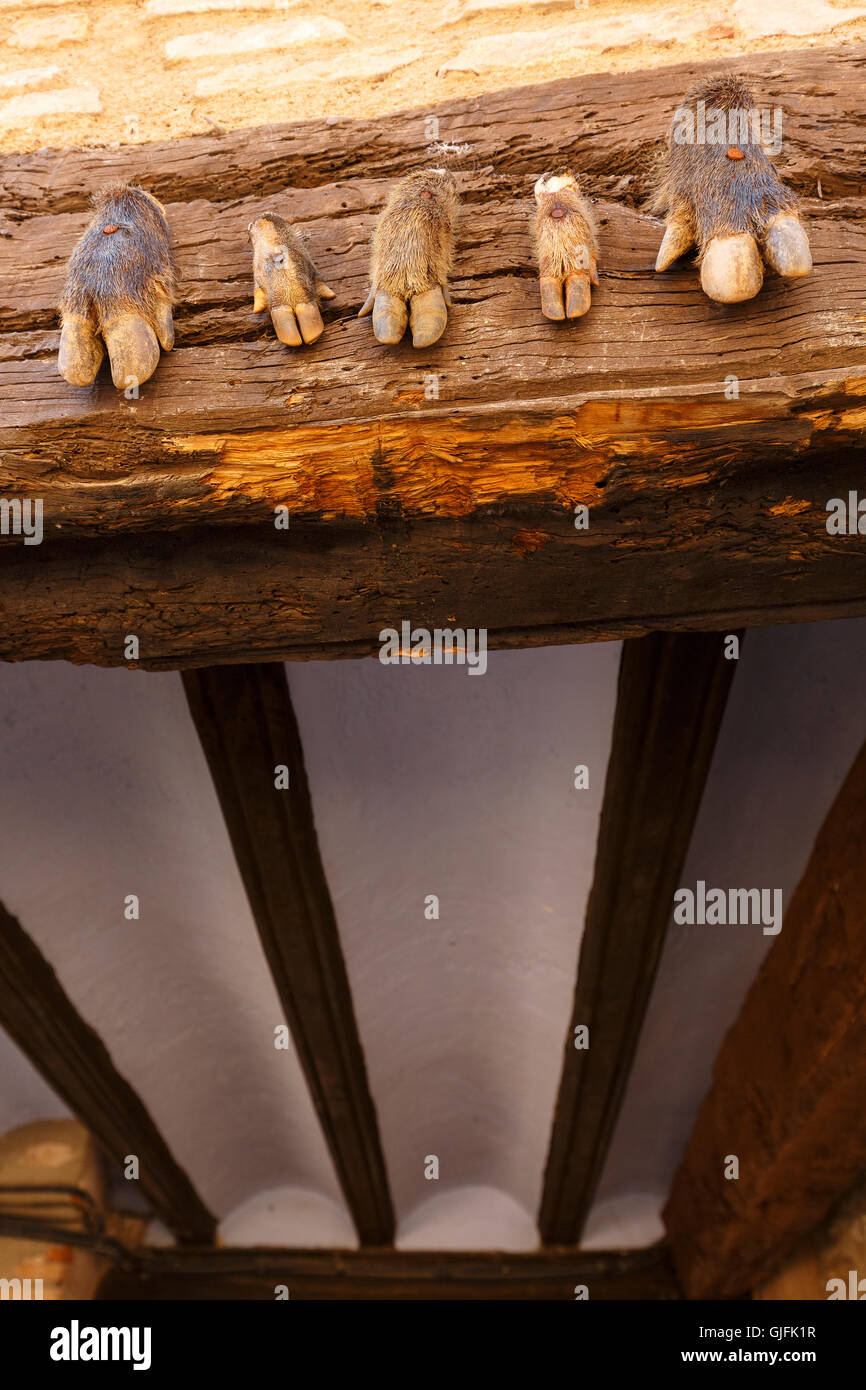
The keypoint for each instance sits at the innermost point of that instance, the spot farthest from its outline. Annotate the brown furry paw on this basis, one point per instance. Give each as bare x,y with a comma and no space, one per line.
413,251
721,194
566,245
119,291
286,281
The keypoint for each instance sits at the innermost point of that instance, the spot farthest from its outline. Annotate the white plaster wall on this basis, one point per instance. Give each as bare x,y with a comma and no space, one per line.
24,1096
795,721
105,792
429,780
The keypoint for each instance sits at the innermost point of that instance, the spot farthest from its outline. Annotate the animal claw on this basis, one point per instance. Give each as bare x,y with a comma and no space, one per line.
390,317
551,297
285,325
786,246
164,323
133,350
428,316
309,322
731,269
324,291
260,300
577,294
81,351
676,241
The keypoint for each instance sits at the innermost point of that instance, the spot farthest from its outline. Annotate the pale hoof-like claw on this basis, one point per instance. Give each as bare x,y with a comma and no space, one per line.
164,323
285,325
731,269
551,297
786,246
676,241
428,317
309,322
390,317
577,294
568,299
133,350
81,352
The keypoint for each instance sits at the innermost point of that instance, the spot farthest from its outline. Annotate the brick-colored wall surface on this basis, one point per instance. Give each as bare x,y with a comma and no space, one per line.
112,71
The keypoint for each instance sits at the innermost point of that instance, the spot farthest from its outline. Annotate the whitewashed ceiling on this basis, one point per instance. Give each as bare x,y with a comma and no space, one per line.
424,781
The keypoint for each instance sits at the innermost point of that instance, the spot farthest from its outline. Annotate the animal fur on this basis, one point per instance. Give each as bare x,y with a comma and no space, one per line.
281,265
563,244
129,270
710,193
413,244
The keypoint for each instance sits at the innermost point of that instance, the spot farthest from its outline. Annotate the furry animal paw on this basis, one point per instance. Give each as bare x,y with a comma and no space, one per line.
119,291
412,257
286,281
720,193
566,244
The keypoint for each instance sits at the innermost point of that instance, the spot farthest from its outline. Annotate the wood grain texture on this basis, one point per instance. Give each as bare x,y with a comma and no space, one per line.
671,698
247,727
394,1274
704,511
788,1083
40,1017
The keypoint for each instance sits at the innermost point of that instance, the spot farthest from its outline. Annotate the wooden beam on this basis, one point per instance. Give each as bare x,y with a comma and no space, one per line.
670,702
395,1274
789,1080
224,598
705,510
40,1017
247,727
604,120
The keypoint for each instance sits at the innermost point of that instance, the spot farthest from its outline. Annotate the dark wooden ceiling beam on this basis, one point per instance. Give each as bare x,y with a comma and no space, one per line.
40,1017
707,506
670,701
395,1274
789,1082
247,727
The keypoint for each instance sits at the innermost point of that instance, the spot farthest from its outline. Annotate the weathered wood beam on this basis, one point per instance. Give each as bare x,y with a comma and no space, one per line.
247,727
789,1080
606,122
40,1017
681,563
705,510
395,1274
670,701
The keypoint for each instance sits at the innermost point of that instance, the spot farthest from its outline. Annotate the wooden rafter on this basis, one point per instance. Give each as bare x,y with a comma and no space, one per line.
247,728
787,1099
396,1274
707,505
41,1018
670,701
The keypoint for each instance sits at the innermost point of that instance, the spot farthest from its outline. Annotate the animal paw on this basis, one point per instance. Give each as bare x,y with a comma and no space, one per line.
721,194
412,256
286,281
566,244
119,291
